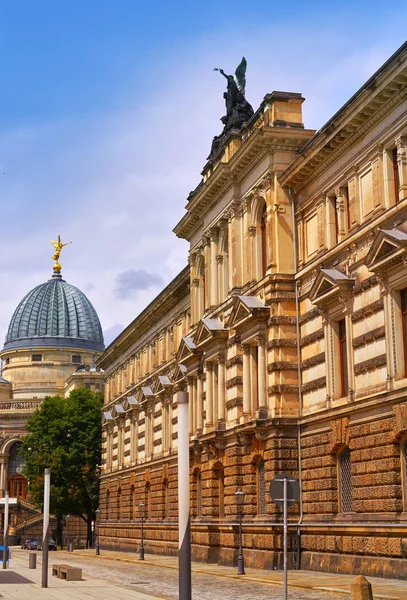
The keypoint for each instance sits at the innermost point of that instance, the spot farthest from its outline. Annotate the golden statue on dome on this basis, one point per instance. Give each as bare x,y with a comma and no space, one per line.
58,247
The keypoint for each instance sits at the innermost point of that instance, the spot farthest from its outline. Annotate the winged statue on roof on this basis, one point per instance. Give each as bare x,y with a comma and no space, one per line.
238,110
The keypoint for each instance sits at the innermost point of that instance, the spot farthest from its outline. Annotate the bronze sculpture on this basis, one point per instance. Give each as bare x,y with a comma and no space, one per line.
238,110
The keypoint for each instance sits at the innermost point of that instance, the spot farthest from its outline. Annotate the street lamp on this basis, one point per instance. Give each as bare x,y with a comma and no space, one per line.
142,510
240,504
97,552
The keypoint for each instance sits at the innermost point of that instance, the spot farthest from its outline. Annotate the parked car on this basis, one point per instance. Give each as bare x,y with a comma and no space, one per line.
32,544
24,543
51,545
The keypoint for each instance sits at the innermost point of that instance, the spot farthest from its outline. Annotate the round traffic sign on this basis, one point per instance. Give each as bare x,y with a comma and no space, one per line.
277,489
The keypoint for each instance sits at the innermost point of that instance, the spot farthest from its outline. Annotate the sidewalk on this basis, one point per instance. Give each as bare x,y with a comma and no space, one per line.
383,589
21,583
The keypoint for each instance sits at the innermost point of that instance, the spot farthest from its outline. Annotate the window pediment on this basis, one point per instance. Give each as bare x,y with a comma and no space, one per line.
161,384
389,248
186,349
329,285
246,308
179,372
209,329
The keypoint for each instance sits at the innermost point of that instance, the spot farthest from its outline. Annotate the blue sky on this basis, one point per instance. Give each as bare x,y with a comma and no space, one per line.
108,109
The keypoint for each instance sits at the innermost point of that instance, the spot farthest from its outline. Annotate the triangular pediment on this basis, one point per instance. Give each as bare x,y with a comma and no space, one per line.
186,349
388,247
247,307
328,285
179,373
161,384
209,329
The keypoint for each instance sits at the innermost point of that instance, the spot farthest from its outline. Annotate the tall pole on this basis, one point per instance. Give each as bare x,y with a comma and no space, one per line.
285,536
142,539
47,484
6,497
240,561
184,526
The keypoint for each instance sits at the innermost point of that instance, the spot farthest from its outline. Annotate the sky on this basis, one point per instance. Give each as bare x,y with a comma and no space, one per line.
108,109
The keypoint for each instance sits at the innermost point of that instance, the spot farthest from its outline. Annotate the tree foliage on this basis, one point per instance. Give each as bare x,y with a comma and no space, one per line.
65,435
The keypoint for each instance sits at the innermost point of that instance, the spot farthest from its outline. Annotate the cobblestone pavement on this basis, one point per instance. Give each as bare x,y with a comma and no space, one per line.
164,582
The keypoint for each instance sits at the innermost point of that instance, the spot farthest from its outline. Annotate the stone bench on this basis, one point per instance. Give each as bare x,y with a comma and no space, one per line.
67,572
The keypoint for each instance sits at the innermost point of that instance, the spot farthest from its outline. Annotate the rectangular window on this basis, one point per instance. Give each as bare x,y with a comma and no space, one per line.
403,295
396,177
76,358
36,357
343,359
345,474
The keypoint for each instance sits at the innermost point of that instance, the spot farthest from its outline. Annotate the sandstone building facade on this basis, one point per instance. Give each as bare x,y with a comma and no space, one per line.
289,330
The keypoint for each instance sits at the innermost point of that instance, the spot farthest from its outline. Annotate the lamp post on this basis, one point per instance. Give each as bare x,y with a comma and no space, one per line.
142,511
240,504
97,552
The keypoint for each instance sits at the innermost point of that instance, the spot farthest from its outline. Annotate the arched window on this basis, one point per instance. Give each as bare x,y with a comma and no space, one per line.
119,503
131,502
198,494
263,240
220,477
165,499
261,487
345,480
148,501
17,483
16,460
223,266
404,472
201,289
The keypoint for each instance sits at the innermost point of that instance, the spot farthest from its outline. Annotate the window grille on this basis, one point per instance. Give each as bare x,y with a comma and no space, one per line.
198,495
405,464
76,358
346,481
261,488
36,357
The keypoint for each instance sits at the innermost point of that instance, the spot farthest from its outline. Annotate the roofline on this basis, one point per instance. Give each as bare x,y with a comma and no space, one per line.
329,124
181,279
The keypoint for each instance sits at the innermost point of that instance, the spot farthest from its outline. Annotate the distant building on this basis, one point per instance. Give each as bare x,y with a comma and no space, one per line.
289,330
52,344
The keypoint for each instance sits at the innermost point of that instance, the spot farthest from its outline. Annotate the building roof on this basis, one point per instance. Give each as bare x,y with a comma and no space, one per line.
55,313
2,380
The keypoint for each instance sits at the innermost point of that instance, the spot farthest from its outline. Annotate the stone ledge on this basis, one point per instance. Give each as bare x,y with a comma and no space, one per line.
375,566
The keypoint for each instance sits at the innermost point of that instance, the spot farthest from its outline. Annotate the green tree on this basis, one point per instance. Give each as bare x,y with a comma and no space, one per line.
65,435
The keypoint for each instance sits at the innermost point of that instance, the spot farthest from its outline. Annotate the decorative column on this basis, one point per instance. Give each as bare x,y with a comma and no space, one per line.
341,212
401,144
209,395
190,382
207,263
221,390
199,420
133,436
246,379
253,379
214,237
232,249
261,373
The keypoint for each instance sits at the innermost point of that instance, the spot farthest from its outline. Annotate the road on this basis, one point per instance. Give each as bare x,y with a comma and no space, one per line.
163,582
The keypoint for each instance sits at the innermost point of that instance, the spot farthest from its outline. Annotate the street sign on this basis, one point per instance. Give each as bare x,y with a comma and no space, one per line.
277,489
285,491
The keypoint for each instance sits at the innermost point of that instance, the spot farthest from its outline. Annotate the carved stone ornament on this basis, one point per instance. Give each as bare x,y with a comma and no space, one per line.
244,439
209,448
340,434
400,420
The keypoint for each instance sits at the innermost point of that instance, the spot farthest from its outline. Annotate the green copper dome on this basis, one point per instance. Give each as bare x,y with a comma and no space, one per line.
55,313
